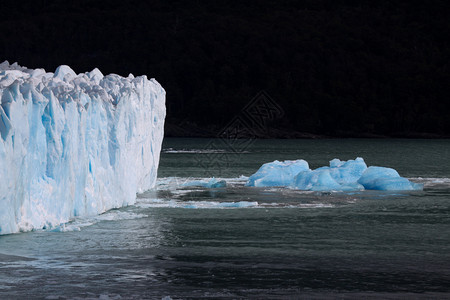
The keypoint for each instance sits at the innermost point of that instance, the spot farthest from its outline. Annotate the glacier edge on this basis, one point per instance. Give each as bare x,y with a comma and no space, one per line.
74,145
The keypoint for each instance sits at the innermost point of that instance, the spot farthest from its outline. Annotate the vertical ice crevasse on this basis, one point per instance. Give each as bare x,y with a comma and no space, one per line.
74,145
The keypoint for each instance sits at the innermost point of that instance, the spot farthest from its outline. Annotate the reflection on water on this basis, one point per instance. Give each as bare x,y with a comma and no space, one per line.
240,242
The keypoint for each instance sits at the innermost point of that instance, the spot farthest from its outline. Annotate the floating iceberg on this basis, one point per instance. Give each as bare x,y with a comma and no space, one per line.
386,179
339,176
277,173
74,145
351,175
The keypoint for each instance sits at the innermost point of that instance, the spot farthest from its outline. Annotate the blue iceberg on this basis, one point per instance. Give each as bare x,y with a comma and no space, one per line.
351,175
339,176
277,173
386,179
347,172
322,180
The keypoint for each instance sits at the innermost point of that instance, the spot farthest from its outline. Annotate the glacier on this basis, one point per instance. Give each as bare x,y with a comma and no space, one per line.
74,144
351,175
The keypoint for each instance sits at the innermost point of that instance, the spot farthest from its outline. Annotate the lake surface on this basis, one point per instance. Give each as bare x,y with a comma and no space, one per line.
181,242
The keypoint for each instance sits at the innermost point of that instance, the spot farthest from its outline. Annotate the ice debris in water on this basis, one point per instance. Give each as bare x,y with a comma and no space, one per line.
74,145
213,183
277,173
351,175
387,179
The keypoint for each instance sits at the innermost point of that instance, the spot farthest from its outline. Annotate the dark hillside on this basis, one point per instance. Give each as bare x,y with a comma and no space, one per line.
337,68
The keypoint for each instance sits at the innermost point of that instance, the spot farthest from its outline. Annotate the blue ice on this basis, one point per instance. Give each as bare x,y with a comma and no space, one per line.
386,179
339,176
351,175
277,173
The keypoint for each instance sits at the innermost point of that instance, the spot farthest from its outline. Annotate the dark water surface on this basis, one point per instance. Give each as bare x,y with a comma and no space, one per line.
240,242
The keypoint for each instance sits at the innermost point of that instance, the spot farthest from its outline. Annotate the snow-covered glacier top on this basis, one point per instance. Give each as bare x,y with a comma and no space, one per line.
74,144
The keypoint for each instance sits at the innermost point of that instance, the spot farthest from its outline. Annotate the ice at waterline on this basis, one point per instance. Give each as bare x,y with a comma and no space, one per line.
351,175
78,145
74,144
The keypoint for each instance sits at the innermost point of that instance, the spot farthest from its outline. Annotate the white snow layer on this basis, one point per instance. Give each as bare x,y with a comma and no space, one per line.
74,145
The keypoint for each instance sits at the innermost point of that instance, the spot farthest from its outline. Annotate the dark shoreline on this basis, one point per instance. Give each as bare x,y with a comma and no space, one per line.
317,68
190,130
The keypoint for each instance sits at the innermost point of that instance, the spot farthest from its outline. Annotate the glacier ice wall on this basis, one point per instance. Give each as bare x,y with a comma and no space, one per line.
73,145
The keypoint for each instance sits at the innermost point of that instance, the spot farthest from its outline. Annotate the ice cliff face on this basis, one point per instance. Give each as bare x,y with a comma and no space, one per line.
73,145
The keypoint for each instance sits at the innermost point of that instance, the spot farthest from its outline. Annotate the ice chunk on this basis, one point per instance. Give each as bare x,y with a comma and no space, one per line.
213,183
64,72
322,180
95,75
277,173
351,175
346,172
74,145
387,179
317,180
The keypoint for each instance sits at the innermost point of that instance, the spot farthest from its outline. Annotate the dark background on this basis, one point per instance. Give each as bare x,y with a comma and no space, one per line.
337,68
